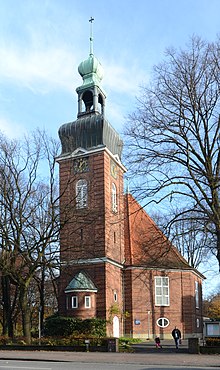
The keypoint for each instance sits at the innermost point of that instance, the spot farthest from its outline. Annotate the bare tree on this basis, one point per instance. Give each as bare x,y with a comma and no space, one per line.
174,137
29,222
195,246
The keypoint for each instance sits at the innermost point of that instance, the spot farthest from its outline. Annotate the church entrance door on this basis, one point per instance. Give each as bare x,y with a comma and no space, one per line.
116,327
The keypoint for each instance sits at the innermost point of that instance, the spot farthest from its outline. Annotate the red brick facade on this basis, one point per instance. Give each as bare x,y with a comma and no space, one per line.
148,255
122,252
92,239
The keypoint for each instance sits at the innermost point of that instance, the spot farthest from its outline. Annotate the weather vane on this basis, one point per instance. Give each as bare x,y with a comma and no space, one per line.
91,36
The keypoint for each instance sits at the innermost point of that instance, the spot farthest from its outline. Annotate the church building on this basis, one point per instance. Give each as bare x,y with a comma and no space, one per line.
116,264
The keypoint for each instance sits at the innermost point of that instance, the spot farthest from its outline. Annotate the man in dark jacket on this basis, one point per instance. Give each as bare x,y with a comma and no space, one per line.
176,333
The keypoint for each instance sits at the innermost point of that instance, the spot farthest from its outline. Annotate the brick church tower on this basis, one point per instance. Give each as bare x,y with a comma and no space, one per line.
92,207
114,258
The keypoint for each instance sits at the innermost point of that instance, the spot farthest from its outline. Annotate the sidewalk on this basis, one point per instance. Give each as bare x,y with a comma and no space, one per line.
145,354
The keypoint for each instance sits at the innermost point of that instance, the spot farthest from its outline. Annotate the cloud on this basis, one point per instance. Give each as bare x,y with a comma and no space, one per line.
124,79
38,70
44,69
12,130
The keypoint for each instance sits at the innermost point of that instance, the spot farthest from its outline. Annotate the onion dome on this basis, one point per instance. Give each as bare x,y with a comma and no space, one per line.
91,71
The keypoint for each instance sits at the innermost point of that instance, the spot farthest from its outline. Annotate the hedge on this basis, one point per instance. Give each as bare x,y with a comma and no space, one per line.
66,326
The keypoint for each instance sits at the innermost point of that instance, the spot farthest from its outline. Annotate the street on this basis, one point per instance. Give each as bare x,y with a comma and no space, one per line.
48,365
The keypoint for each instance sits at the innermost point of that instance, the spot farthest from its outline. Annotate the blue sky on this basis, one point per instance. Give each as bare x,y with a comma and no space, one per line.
42,42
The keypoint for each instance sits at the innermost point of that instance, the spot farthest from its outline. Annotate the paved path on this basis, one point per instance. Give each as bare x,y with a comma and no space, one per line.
180,359
145,353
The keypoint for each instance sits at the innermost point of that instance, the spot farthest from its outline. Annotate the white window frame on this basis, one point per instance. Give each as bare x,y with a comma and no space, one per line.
162,296
87,301
163,319
81,194
114,198
76,303
197,293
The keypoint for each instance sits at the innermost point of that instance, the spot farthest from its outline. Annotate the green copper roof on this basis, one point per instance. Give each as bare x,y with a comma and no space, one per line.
91,71
90,132
81,282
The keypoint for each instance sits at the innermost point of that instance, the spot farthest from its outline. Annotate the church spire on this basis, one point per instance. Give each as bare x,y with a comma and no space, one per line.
90,69
91,98
91,36
91,130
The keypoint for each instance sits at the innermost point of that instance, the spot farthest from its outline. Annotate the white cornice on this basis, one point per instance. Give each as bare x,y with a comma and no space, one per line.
92,261
80,290
196,272
81,152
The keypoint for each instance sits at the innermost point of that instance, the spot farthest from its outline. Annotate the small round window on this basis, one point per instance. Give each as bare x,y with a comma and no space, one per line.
162,322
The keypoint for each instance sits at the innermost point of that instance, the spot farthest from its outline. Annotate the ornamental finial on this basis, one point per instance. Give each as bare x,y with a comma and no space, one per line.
91,36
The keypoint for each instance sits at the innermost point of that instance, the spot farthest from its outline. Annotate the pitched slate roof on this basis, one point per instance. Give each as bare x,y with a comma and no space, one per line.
81,282
145,243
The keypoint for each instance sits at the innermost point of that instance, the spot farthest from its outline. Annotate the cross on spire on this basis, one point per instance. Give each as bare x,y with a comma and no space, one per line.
91,36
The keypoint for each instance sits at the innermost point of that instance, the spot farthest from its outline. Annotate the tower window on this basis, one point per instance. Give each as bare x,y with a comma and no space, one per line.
87,301
67,302
88,101
114,198
81,194
74,301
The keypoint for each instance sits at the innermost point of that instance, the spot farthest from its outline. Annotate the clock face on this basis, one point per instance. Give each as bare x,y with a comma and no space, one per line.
81,165
113,169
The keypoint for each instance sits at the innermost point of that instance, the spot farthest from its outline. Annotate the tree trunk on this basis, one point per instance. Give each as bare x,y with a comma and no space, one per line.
7,311
42,300
26,314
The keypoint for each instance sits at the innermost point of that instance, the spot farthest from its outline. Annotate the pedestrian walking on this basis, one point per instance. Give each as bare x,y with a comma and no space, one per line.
176,333
157,342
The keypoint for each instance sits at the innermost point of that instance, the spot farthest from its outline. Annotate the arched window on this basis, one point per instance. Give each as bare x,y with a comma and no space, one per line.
81,194
114,198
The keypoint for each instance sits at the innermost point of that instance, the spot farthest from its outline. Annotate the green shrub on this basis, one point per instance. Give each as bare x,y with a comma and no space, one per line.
93,327
61,326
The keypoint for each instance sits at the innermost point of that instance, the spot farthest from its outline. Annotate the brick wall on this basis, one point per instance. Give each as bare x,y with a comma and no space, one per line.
95,232
127,238
150,254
